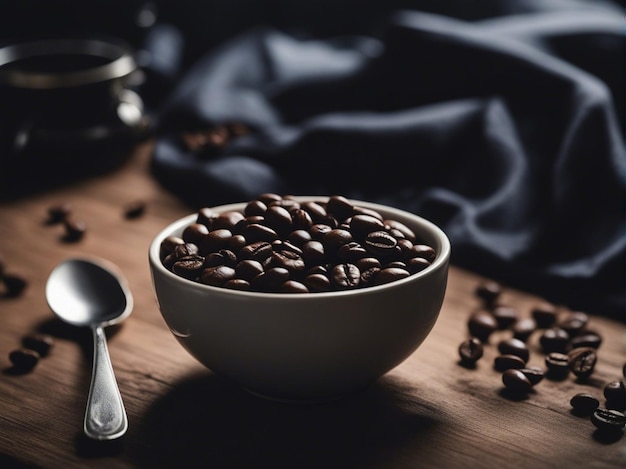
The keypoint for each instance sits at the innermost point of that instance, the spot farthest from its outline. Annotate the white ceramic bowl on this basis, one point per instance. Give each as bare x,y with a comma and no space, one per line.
304,346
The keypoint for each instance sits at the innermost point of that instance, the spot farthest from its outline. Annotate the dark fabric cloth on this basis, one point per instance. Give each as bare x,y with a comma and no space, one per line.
505,131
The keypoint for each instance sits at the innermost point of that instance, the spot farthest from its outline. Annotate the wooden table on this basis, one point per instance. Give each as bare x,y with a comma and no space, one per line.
428,412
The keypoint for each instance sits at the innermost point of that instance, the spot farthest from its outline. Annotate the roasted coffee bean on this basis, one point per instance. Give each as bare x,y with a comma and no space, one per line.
424,251
217,276
168,245
222,257
390,274
227,220
185,250
319,231
135,209
270,280
345,276
279,219
293,286
256,232
301,220
290,260
339,207
586,339
471,350
14,284
514,346
505,316
554,339
380,243
299,237
236,243
315,210
40,343
362,225
574,322
615,395
368,277
74,229
488,291
524,328
335,238
584,403
534,374
237,284
205,216
351,252
58,213
507,362
407,232
482,324
557,364
582,361
608,420
248,269
254,207
367,263
313,252
516,381
195,233
269,197
545,315
189,267
258,251
24,359
417,264
317,282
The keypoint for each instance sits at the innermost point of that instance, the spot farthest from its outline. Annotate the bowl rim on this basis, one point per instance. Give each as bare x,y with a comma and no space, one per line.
443,255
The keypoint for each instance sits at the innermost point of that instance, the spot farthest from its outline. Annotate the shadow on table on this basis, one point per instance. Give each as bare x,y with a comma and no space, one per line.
207,421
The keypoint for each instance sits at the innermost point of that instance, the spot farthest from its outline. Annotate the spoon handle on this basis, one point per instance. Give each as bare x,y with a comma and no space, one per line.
105,417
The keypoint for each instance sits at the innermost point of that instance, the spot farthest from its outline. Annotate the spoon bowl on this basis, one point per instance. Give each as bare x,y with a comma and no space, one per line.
93,293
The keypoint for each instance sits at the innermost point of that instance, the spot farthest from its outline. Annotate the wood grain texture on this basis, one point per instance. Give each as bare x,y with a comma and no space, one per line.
428,412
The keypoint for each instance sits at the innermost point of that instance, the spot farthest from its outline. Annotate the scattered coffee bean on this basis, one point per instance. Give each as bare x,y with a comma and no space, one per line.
482,324
14,285
74,229
516,381
135,209
514,347
488,291
554,339
545,315
558,365
586,339
24,359
615,394
582,361
608,420
584,403
534,374
471,350
524,328
58,213
505,316
507,362
40,343
574,322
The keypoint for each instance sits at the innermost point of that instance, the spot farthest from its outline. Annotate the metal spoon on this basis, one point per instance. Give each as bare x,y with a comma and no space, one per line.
92,293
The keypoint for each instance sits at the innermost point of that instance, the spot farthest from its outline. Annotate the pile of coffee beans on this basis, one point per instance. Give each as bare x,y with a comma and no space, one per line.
279,244
568,345
209,142
33,348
